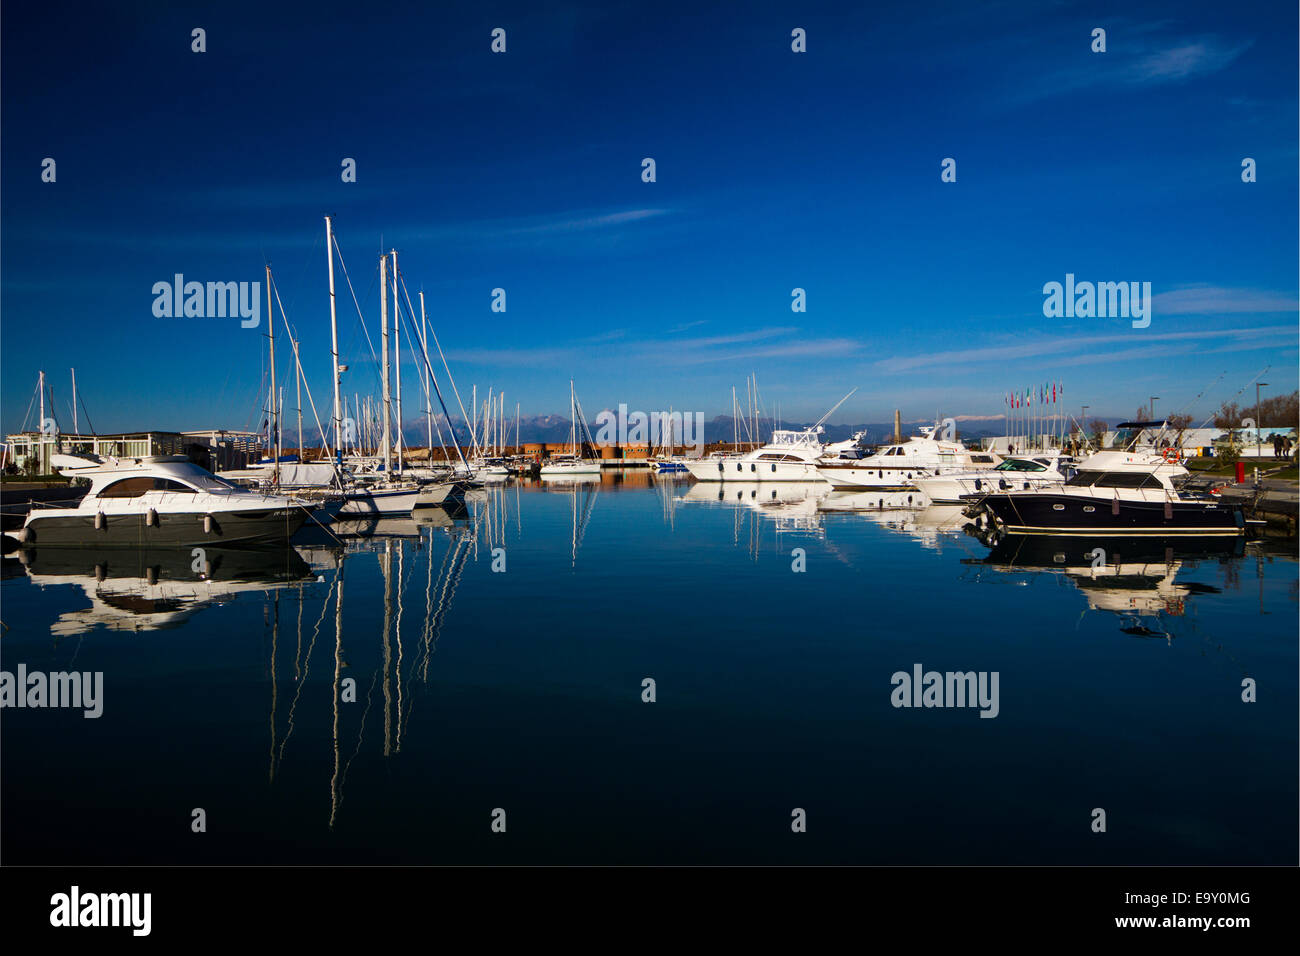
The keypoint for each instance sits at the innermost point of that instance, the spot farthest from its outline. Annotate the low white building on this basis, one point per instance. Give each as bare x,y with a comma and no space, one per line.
227,449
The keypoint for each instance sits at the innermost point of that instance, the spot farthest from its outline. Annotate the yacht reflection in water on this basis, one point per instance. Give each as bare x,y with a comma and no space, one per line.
789,506
1134,578
155,588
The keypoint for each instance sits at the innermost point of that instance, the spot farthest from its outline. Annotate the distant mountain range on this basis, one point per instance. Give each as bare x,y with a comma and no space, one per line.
720,428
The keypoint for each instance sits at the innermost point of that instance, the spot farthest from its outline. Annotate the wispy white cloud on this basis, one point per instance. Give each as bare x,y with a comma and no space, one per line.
1135,58
583,223
1077,344
613,335
556,357
519,229
774,342
802,348
1208,300
735,338
1183,61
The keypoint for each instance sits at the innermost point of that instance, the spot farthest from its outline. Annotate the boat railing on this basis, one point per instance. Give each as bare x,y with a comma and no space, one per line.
806,438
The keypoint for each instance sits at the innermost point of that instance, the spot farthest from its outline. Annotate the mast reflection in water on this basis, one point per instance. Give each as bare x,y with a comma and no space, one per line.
376,691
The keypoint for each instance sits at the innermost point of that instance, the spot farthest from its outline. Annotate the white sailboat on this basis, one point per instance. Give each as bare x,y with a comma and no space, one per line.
568,466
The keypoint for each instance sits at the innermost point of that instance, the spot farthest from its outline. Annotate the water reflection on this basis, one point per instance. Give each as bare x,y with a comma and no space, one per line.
142,590
786,507
443,541
355,615
1134,578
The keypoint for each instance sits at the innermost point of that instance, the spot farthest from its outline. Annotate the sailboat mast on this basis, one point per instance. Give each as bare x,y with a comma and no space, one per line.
397,359
334,340
735,421
76,430
40,387
298,379
428,399
388,395
275,392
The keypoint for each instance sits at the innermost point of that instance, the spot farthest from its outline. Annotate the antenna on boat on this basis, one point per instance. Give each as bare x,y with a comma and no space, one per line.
835,406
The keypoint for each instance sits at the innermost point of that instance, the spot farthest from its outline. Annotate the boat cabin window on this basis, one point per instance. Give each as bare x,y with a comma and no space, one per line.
1124,479
1019,464
128,488
135,487
981,459
1115,479
204,481
166,484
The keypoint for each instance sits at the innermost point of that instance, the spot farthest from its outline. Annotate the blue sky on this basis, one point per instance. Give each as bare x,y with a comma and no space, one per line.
775,170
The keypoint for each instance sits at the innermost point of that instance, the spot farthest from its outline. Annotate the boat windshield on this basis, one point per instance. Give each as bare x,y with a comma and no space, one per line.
1019,464
206,481
1114,479
1084,479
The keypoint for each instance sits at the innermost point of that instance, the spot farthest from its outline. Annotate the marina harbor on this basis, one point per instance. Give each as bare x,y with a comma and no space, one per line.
580,436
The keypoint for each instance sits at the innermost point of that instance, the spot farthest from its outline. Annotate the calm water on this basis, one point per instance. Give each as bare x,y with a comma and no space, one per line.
1119,689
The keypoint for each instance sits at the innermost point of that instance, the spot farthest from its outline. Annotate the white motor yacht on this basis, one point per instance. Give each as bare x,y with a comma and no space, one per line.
1118,493
896,467
789,456
164,500
1017,474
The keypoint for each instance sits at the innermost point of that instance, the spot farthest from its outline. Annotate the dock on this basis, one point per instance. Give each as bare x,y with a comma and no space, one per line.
1274,502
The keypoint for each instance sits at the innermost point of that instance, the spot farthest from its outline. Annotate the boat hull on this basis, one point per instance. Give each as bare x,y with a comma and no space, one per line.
168,530
440,492
951,490
562,471
1066,514
736,469
379,502
880,479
